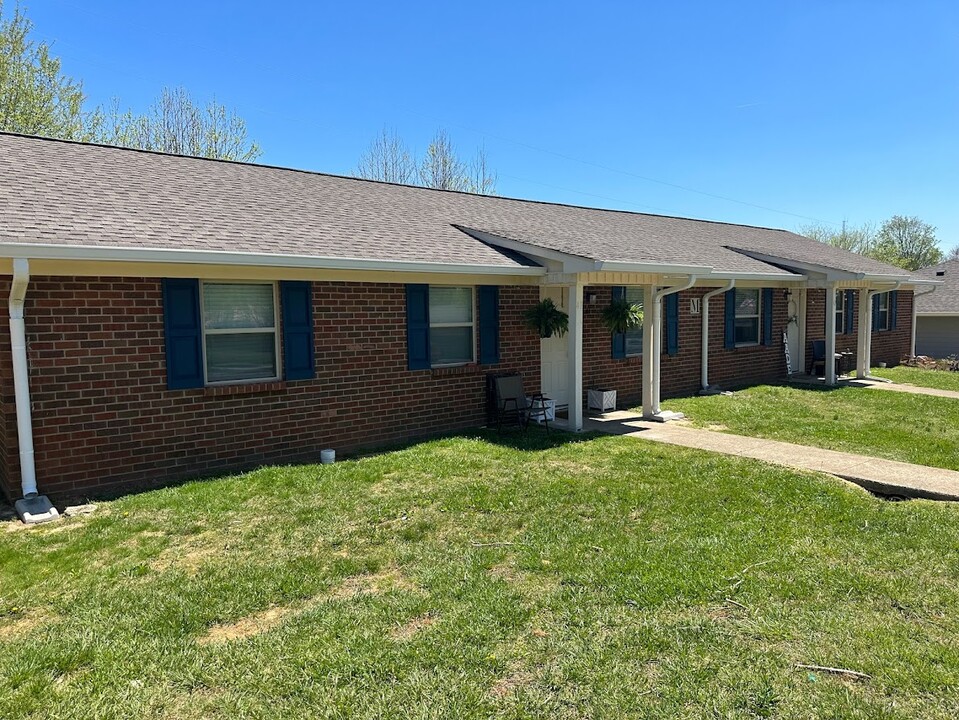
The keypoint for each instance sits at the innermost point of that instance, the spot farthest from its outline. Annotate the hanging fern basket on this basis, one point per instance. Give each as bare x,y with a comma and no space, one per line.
546,319
621,316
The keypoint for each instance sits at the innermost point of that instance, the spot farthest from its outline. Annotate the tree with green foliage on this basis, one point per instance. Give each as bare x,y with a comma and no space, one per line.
177,124
36,98
907,242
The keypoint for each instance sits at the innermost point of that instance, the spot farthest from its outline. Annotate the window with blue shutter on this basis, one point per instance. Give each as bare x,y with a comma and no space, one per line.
489,324
893,308
767,316
182,333
672,324
418,326
729,319
619,339
296,306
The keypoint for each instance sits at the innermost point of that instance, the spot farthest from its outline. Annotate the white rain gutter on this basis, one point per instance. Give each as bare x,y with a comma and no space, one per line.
867,362
912,340
21,376
704,359
41,251
651,409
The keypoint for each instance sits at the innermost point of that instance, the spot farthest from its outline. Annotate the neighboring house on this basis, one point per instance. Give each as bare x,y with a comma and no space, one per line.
937,312
185,316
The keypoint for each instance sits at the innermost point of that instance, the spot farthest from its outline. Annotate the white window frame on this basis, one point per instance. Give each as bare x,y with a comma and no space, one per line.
758,316
840,312
643,290
242,331
471,325
884,301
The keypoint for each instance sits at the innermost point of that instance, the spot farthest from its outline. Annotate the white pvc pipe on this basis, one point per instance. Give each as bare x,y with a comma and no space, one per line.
867,361
704,357
657,332
21,376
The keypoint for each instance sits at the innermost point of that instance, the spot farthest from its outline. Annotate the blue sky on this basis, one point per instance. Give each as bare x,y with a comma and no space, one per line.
768,113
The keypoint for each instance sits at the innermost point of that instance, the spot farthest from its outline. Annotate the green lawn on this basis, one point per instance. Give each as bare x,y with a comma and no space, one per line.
899,426
478,577
940,379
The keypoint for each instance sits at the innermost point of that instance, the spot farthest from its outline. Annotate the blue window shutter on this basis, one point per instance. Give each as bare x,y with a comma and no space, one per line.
182,336
296,306
730,309
489,324
619,339
850,310
418,326
767,316
672,324
875,312
893,307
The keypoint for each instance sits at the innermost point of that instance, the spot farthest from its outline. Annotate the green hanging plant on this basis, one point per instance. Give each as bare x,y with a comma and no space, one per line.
621,315
547,319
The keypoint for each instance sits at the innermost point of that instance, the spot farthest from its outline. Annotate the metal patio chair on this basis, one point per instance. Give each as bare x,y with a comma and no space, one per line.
513,405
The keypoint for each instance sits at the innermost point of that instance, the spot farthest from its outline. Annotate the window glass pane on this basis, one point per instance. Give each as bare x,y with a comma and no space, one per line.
451,345
840,311
246,356
634,338
747,330
747,302
235,305
451,304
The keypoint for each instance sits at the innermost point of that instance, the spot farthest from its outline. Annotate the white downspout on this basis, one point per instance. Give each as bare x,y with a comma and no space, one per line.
867,362
21,376
912,341
33,508
704,359
654,412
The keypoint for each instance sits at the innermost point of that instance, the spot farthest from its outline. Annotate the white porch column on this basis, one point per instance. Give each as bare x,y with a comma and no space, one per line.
867,340
830,363
801,331
657,350
575,340
864,340
648,325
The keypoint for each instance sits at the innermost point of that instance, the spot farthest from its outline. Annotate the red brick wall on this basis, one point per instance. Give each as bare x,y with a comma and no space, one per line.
680,374
104,418
888,346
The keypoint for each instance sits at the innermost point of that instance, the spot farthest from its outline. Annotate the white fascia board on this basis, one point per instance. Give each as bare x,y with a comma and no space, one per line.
534,251
832,274
765,277
920,313
224,257
653,268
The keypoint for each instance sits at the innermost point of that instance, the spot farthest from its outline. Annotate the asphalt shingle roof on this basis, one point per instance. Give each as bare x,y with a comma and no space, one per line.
58,192
946,297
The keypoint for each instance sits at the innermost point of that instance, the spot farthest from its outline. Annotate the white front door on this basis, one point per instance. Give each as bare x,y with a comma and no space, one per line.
554,353
793,333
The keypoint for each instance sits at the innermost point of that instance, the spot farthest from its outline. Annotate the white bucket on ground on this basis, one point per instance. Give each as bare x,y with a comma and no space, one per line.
327,456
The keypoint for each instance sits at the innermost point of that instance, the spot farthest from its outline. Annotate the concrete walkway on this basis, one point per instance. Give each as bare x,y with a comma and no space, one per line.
913,389
886,477
880,385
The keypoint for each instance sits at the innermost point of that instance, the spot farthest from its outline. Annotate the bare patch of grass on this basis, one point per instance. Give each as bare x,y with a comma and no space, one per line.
387,580
408,630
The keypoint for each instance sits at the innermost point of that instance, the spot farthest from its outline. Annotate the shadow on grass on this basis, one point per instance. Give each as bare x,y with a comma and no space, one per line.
535,439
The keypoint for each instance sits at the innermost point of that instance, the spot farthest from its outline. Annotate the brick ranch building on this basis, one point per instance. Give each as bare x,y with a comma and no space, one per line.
173,317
